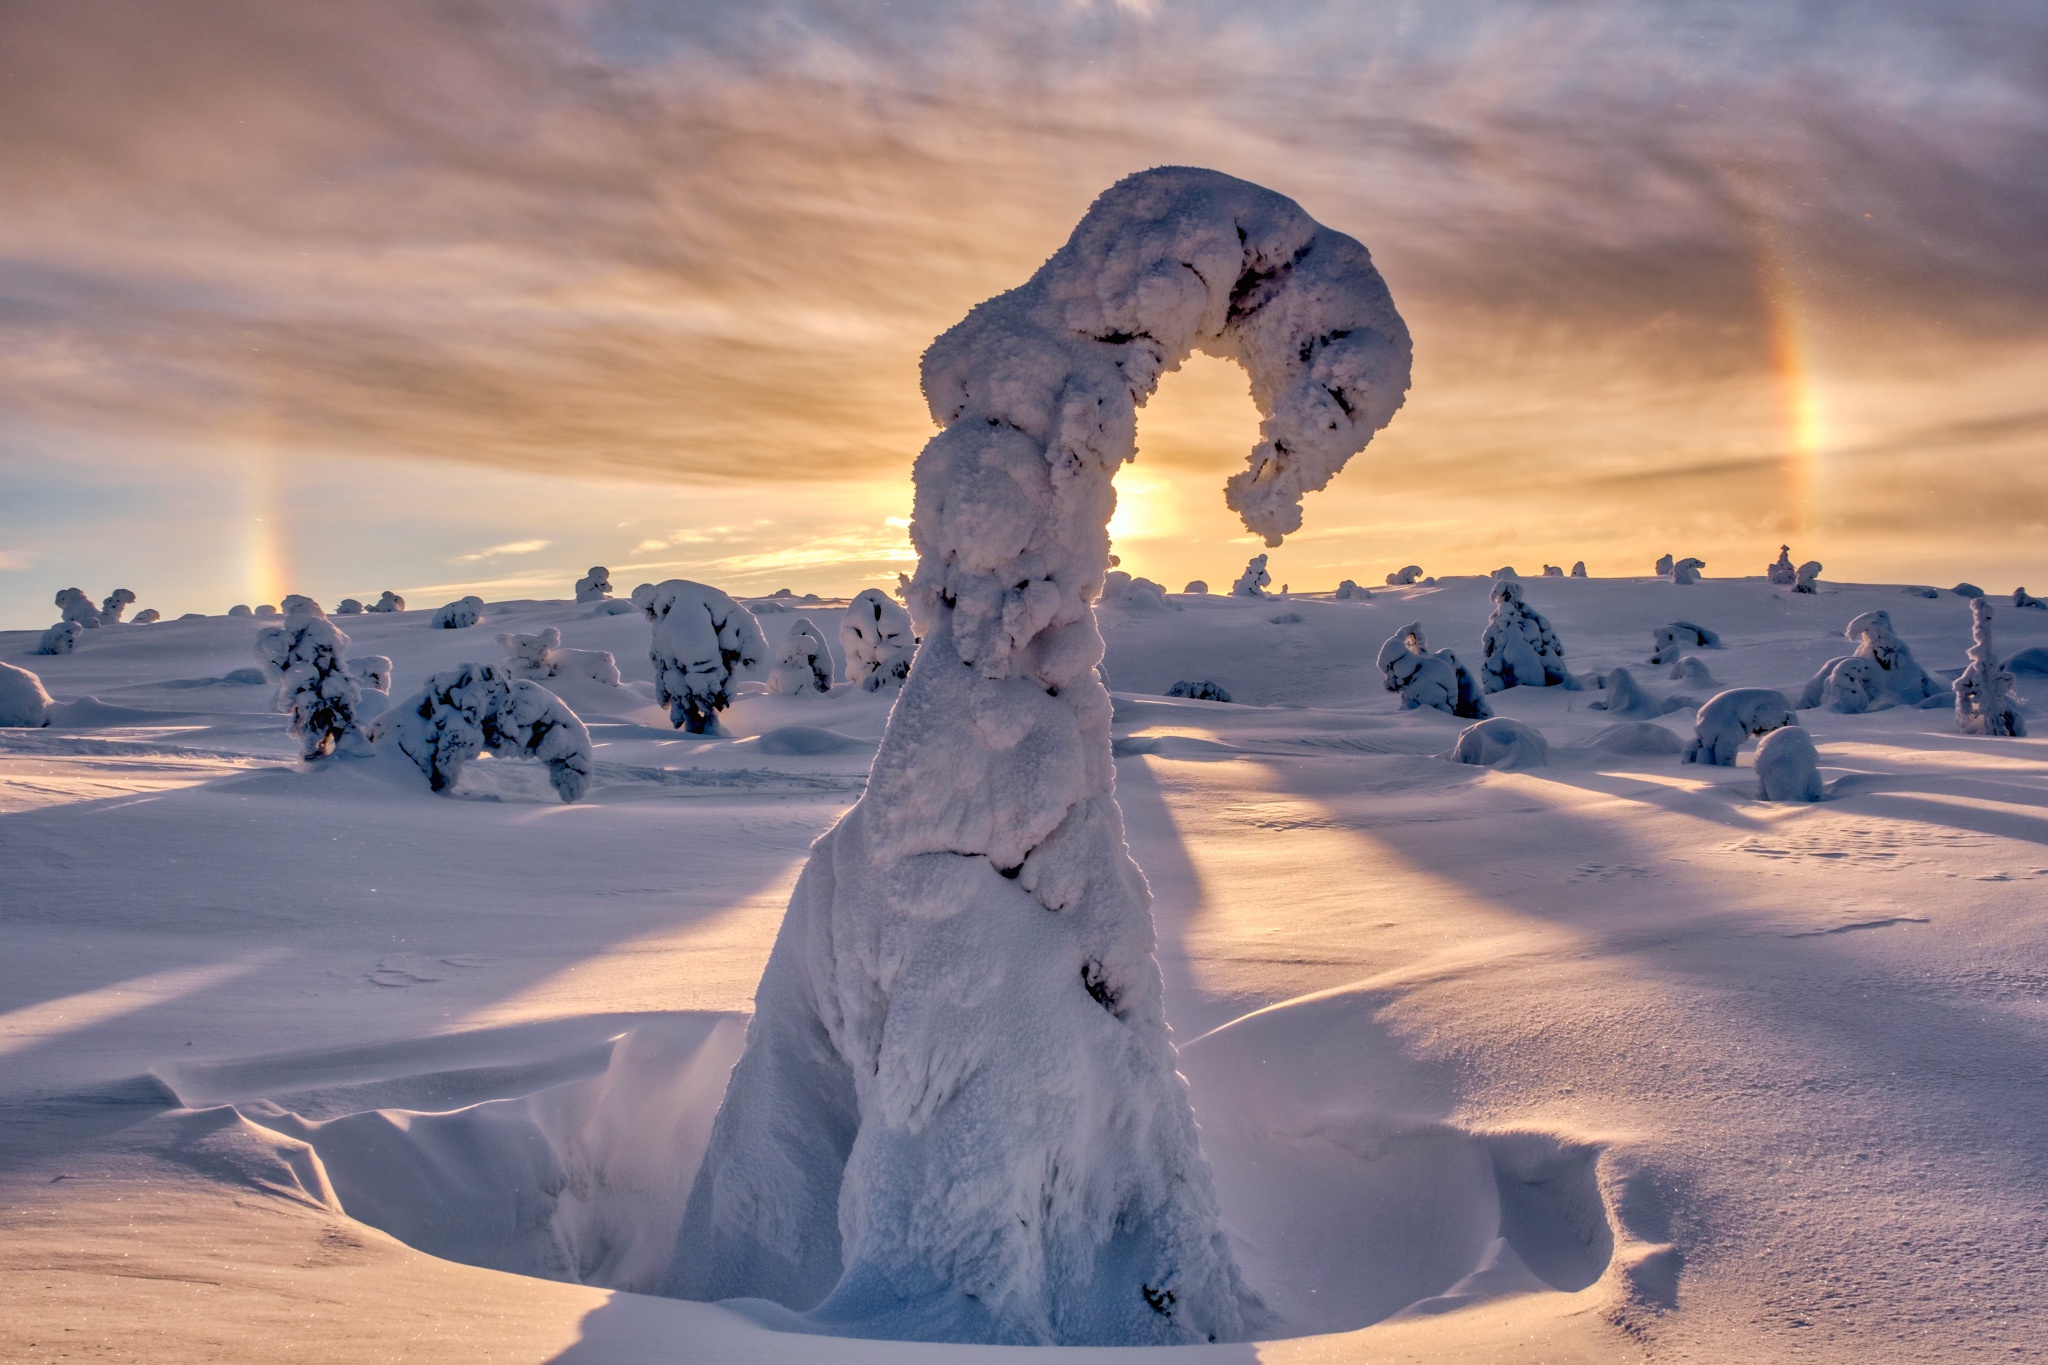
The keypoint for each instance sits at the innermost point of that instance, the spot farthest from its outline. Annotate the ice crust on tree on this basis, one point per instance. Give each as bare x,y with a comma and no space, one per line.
1788,767
1730,718
479,708
1435,680
1686,572
1782,573
1254,581
803,663
1806,578
390,601
460,614
1501,742
703,643
305,658
594,586
541,655
1403,577
1881,670
1518,647
1668,642
1198,691
23,702
60,638
877,640
1986,702
74,606
957,1116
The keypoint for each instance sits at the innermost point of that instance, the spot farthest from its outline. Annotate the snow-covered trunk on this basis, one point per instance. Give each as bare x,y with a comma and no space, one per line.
957,1116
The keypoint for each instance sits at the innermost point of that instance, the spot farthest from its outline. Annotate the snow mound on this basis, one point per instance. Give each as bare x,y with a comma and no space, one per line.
1141,594
615,607
1196,588
957,1116
1424,679
1553,571
1985,699
1518,648
460,614
1254,581
2025,600
594,586
1401,578
1691,669
74,606
23,702
390,601
1198,691
1730,718
803,664
1664,566
1348,591
1967,590
60,638
148,617
120,599
2033,660
805,741
1578,568
540,655
1626,697
1788,767
1668,641
703,644
349,607
1686,572
1637,737
1501,742
478,708
240,609
876,637
1919,591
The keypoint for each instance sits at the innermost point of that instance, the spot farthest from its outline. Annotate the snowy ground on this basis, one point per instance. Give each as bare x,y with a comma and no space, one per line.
1594,1061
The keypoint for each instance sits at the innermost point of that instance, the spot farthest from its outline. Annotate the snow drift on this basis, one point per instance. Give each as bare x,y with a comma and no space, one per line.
957,1116
1501,743
60,638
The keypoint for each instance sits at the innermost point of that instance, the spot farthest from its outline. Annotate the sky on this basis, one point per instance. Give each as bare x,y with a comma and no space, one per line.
451,296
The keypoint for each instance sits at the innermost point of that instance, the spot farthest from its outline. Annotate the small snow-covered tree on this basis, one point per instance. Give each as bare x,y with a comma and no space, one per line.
1198,691
1196,588
460,614
304,658
876,638
1501,742
390,601
61,638
1626,698
594,586
1553,571
1986,703
1806,578
372,671
957,1116
1505,571
1686,572
1664,566
478,708
2022,598
1348,591
1788,766
1852,686
74,606
1898,674
1782,573
1731,717
803,664
702,644
1518,648
1578,568
1401,578
1254,581
1670,641
1142,594
149,616
23,702
119,600
349,607
1425,679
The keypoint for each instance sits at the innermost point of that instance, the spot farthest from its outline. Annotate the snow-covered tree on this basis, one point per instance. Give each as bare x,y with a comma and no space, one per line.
1435,680
957,1116
1578,568
1690,669
1806,578
267,610
477,708
349,607
877,641
1519,649
1731,717
1788,767
803,664
1142,594
1626,698
594,586
304,658
74,606
1254,581
460,614
2022,598
1668,642
23,702
542,656
117,602
1501,742
1967,589
1505,571
1401,578
372,671
1782,573
1553,571
1348,591
60,638
1664,566
1196,588
1198,691
1898,674
1986,703
390,601
149,616
703,643
1686,572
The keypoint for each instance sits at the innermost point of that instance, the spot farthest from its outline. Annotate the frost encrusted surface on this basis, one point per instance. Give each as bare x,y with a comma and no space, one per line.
703,642
306,657
478,708
957,1116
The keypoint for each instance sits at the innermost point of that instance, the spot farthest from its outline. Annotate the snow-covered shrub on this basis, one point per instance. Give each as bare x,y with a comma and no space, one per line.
23,702
240,609
1519,648
460,614
1196,588
1782,573
877,641
304,658
2022,598
1664,566
1967,590
1733,716
594,586
1198,691
1667,642
1626,697
1807,577
266,610
1788,767
390,601
1504,571
119,600
1690,669
60,638
1403,577
372,671
802,662
1435,680
1142,594
957,1116
349,607
74,606
478,708
148,616
1552,571
1985,699
1578,568
1501,742
1686,572
1254,581
1348,591
703,643
1898,675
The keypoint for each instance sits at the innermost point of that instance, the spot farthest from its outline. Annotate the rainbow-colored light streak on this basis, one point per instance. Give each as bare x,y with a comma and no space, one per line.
1802,417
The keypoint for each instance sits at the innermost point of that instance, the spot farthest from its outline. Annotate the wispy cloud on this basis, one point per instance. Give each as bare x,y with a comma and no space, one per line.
510,547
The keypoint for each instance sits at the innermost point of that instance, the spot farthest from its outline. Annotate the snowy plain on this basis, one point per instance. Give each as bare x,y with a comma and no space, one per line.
1601,1059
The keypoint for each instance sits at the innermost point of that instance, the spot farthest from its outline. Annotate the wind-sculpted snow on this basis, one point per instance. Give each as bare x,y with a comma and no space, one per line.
305,658
1435,680
703,643
878,641
958,1116
1986,703
1254,581
1519,649
1788,767
1730,718
803,664
479,708
23,702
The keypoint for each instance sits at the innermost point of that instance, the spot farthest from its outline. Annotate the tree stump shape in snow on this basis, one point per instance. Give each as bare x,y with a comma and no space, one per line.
957,1115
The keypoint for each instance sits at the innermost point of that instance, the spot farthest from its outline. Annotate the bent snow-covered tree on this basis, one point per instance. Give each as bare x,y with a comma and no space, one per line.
703,643
74,606
1437,681
305,657
1985,703
594,586
1254,581
877,639
479,708
1518,648
957,1115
